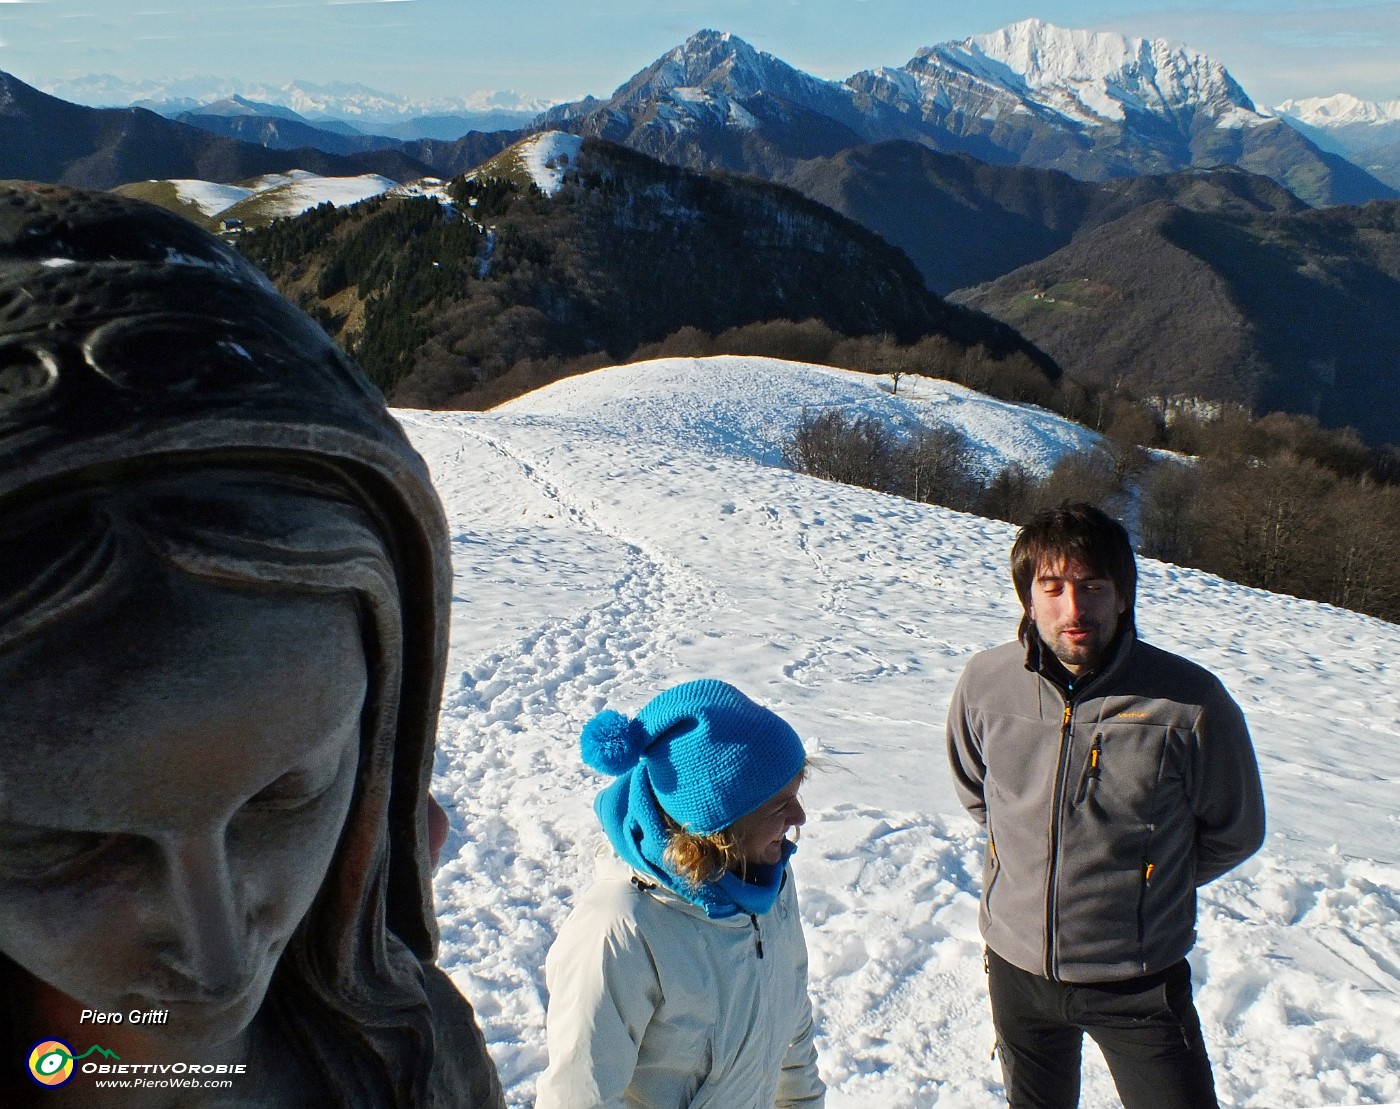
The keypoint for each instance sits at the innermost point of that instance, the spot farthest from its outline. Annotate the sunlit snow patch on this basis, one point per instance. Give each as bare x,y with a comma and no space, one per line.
547,156
209,197
304,193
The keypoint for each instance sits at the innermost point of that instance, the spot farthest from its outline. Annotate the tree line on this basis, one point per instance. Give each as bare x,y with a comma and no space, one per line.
1262,504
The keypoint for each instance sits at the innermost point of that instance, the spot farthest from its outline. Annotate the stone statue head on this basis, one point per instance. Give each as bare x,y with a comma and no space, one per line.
224,587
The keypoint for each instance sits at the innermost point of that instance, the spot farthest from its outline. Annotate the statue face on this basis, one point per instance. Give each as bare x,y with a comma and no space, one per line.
175,773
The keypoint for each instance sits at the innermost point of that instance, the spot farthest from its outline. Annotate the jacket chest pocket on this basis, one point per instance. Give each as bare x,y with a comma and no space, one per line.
1126,773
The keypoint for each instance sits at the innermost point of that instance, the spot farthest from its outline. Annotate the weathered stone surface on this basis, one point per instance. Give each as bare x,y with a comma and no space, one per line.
224,590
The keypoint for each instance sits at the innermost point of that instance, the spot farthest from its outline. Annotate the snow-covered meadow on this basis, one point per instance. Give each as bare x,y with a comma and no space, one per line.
626,530
280,195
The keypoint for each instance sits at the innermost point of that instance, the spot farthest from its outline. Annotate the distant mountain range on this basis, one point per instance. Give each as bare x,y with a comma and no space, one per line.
43,138
1097,106
1364,132
1119,202
364,109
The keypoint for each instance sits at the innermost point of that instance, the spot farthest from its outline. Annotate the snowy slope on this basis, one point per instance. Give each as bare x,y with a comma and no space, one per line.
278,195
622,531
544,157
209,197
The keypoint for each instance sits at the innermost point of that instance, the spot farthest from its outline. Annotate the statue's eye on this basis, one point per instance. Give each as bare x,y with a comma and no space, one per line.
37,854
181,353
26,375
291,792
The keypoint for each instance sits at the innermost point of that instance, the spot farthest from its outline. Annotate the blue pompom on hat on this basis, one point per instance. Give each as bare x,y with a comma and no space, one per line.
710,754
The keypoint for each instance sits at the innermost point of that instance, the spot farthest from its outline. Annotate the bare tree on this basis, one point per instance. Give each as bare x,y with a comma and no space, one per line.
1168,527
856,450
1010,495
935,467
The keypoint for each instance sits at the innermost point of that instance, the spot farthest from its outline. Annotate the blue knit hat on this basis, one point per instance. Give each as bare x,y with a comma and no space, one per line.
711,754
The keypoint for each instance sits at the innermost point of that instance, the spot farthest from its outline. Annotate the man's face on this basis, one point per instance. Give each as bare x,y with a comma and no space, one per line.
1076,611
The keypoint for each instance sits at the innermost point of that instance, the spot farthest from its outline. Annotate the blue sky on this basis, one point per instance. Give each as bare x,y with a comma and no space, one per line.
566,48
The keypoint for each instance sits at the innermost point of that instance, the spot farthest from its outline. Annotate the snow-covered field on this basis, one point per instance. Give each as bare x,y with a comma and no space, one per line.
290,194
209,197
627,530
278,195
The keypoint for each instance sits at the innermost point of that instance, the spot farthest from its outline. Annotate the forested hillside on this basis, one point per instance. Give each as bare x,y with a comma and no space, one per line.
437,301
1278,311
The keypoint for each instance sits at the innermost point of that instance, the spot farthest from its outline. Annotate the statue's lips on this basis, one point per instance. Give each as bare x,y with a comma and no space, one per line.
194,999
210,1000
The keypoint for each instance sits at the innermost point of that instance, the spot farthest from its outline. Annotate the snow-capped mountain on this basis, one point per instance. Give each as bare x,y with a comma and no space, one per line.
1086,78
710,89
1341,110
1097,106
725,64
1365,131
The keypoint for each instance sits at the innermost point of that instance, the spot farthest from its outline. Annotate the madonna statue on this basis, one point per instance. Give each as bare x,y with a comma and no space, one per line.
224,586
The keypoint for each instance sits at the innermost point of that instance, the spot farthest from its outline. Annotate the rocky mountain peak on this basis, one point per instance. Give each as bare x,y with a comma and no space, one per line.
722,63
1091,76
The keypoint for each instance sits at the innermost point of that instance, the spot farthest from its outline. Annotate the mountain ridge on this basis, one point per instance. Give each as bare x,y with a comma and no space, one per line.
1095,105
1279,311
47,139
620,251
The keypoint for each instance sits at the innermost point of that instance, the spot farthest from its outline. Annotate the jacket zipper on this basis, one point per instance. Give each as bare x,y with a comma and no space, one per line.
1056,818
1147,871
1091,771
757,934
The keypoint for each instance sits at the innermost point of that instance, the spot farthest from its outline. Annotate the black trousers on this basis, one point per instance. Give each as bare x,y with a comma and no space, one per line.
1147,1029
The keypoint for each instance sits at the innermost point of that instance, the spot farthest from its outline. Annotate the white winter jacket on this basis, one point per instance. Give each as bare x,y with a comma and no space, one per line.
653,1004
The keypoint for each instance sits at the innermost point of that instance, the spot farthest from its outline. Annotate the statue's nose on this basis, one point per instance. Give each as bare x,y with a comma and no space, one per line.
209,930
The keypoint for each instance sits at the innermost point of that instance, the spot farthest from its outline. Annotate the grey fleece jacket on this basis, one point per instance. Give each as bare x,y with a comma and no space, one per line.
1105,808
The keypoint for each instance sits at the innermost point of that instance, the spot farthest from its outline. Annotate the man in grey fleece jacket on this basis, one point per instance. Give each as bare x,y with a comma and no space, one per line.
1113,778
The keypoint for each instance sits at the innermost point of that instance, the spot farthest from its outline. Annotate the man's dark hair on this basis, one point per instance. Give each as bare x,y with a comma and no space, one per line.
1078,533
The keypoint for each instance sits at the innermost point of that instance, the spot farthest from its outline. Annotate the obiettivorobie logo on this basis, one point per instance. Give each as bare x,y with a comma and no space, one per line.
52,1062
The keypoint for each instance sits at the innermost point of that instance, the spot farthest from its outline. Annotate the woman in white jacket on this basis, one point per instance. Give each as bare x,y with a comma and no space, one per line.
680,978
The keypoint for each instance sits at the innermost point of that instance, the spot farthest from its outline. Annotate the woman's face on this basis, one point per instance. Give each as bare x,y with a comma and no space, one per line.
175,771
760,835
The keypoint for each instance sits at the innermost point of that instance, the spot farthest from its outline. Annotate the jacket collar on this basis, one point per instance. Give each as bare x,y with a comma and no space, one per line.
1041,660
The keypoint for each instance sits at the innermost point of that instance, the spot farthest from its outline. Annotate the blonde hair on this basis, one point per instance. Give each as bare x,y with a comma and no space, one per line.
700,859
